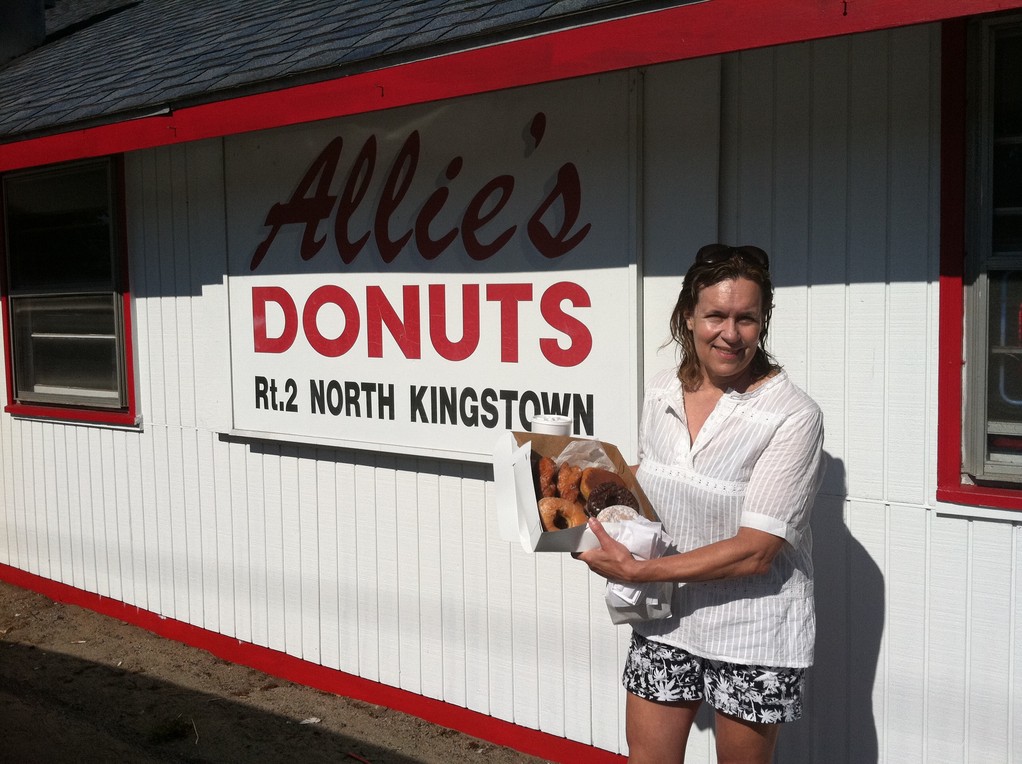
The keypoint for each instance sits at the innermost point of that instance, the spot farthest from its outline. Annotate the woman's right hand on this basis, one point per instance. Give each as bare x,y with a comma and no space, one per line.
612,560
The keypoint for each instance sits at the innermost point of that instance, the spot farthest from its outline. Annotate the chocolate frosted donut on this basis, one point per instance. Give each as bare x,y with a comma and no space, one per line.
607,495
595,476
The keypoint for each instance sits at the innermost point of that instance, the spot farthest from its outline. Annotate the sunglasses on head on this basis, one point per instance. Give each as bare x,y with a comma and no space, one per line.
712,254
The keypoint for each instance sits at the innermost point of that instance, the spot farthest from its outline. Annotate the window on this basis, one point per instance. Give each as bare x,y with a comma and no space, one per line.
66,305
993,383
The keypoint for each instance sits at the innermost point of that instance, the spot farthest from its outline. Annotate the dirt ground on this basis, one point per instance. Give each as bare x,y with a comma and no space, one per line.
76,686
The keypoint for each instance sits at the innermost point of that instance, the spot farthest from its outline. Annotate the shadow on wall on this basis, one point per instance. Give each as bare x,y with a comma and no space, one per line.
838,725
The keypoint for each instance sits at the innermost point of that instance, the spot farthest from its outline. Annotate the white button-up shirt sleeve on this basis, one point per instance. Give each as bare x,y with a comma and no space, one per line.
785,479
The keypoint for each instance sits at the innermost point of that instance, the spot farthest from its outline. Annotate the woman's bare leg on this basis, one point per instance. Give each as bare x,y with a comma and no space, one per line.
743,742
658,732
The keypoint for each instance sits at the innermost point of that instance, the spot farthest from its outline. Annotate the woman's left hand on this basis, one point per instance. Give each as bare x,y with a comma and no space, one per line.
612,560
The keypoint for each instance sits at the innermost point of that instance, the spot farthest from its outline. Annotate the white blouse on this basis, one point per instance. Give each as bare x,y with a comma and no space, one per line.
756,462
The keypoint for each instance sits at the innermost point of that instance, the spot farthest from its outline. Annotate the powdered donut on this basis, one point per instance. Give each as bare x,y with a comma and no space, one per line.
558,514
616,513
608,494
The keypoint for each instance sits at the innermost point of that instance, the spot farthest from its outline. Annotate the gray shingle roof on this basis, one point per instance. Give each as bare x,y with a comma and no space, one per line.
106,60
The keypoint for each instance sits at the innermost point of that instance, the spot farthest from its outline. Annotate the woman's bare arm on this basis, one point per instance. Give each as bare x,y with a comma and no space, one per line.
748,553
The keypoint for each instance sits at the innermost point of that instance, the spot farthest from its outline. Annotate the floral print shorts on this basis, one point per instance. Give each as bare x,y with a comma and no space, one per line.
664,673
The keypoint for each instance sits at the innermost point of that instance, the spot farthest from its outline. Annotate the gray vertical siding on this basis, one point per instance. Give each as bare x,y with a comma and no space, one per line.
828,157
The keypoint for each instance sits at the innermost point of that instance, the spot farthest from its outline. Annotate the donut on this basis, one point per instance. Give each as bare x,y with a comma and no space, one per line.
546,472
558,514
616,513
609,494
568,479
594,476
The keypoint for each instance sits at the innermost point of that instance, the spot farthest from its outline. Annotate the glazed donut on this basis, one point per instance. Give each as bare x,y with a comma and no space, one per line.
609,494
568,479
546,472
595,476
558,514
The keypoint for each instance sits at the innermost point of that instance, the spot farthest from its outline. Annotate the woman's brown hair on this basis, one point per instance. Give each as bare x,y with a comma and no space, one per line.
715,263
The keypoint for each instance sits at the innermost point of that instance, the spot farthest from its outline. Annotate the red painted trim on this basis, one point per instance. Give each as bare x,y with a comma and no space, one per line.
127,327
981,496
951,360
68,414
4,302
952,257
700,29
293,669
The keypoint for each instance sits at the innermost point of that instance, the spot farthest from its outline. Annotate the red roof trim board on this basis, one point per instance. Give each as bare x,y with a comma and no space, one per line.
293,669
699,29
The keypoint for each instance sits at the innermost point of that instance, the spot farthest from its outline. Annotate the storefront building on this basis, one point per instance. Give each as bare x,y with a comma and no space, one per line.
276,280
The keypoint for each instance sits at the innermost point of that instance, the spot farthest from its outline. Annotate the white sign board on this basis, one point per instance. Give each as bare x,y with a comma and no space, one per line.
422,279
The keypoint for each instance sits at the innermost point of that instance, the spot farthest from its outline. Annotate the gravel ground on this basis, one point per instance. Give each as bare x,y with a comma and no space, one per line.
76,686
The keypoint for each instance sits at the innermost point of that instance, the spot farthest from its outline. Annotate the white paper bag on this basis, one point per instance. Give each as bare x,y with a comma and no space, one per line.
639,602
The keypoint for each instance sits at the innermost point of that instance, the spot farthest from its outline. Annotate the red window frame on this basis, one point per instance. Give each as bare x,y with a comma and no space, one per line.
950,392
122,416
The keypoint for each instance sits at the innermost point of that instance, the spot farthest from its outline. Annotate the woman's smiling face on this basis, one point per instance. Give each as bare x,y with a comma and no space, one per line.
725,326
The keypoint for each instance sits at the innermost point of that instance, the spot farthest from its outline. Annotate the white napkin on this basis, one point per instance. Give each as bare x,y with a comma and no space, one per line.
626,603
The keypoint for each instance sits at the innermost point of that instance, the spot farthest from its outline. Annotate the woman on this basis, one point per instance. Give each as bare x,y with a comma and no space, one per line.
730,456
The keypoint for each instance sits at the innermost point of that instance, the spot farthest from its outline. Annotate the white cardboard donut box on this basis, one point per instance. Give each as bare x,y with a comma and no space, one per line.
515,489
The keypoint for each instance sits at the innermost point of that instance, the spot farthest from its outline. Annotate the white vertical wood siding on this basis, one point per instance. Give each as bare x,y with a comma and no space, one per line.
389,567
829,158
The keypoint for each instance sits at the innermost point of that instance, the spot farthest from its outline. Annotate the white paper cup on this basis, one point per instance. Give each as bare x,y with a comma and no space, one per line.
551,424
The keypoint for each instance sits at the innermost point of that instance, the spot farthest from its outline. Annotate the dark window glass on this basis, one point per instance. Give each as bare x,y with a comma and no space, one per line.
59,230
1008,85
1008,175
1007,231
